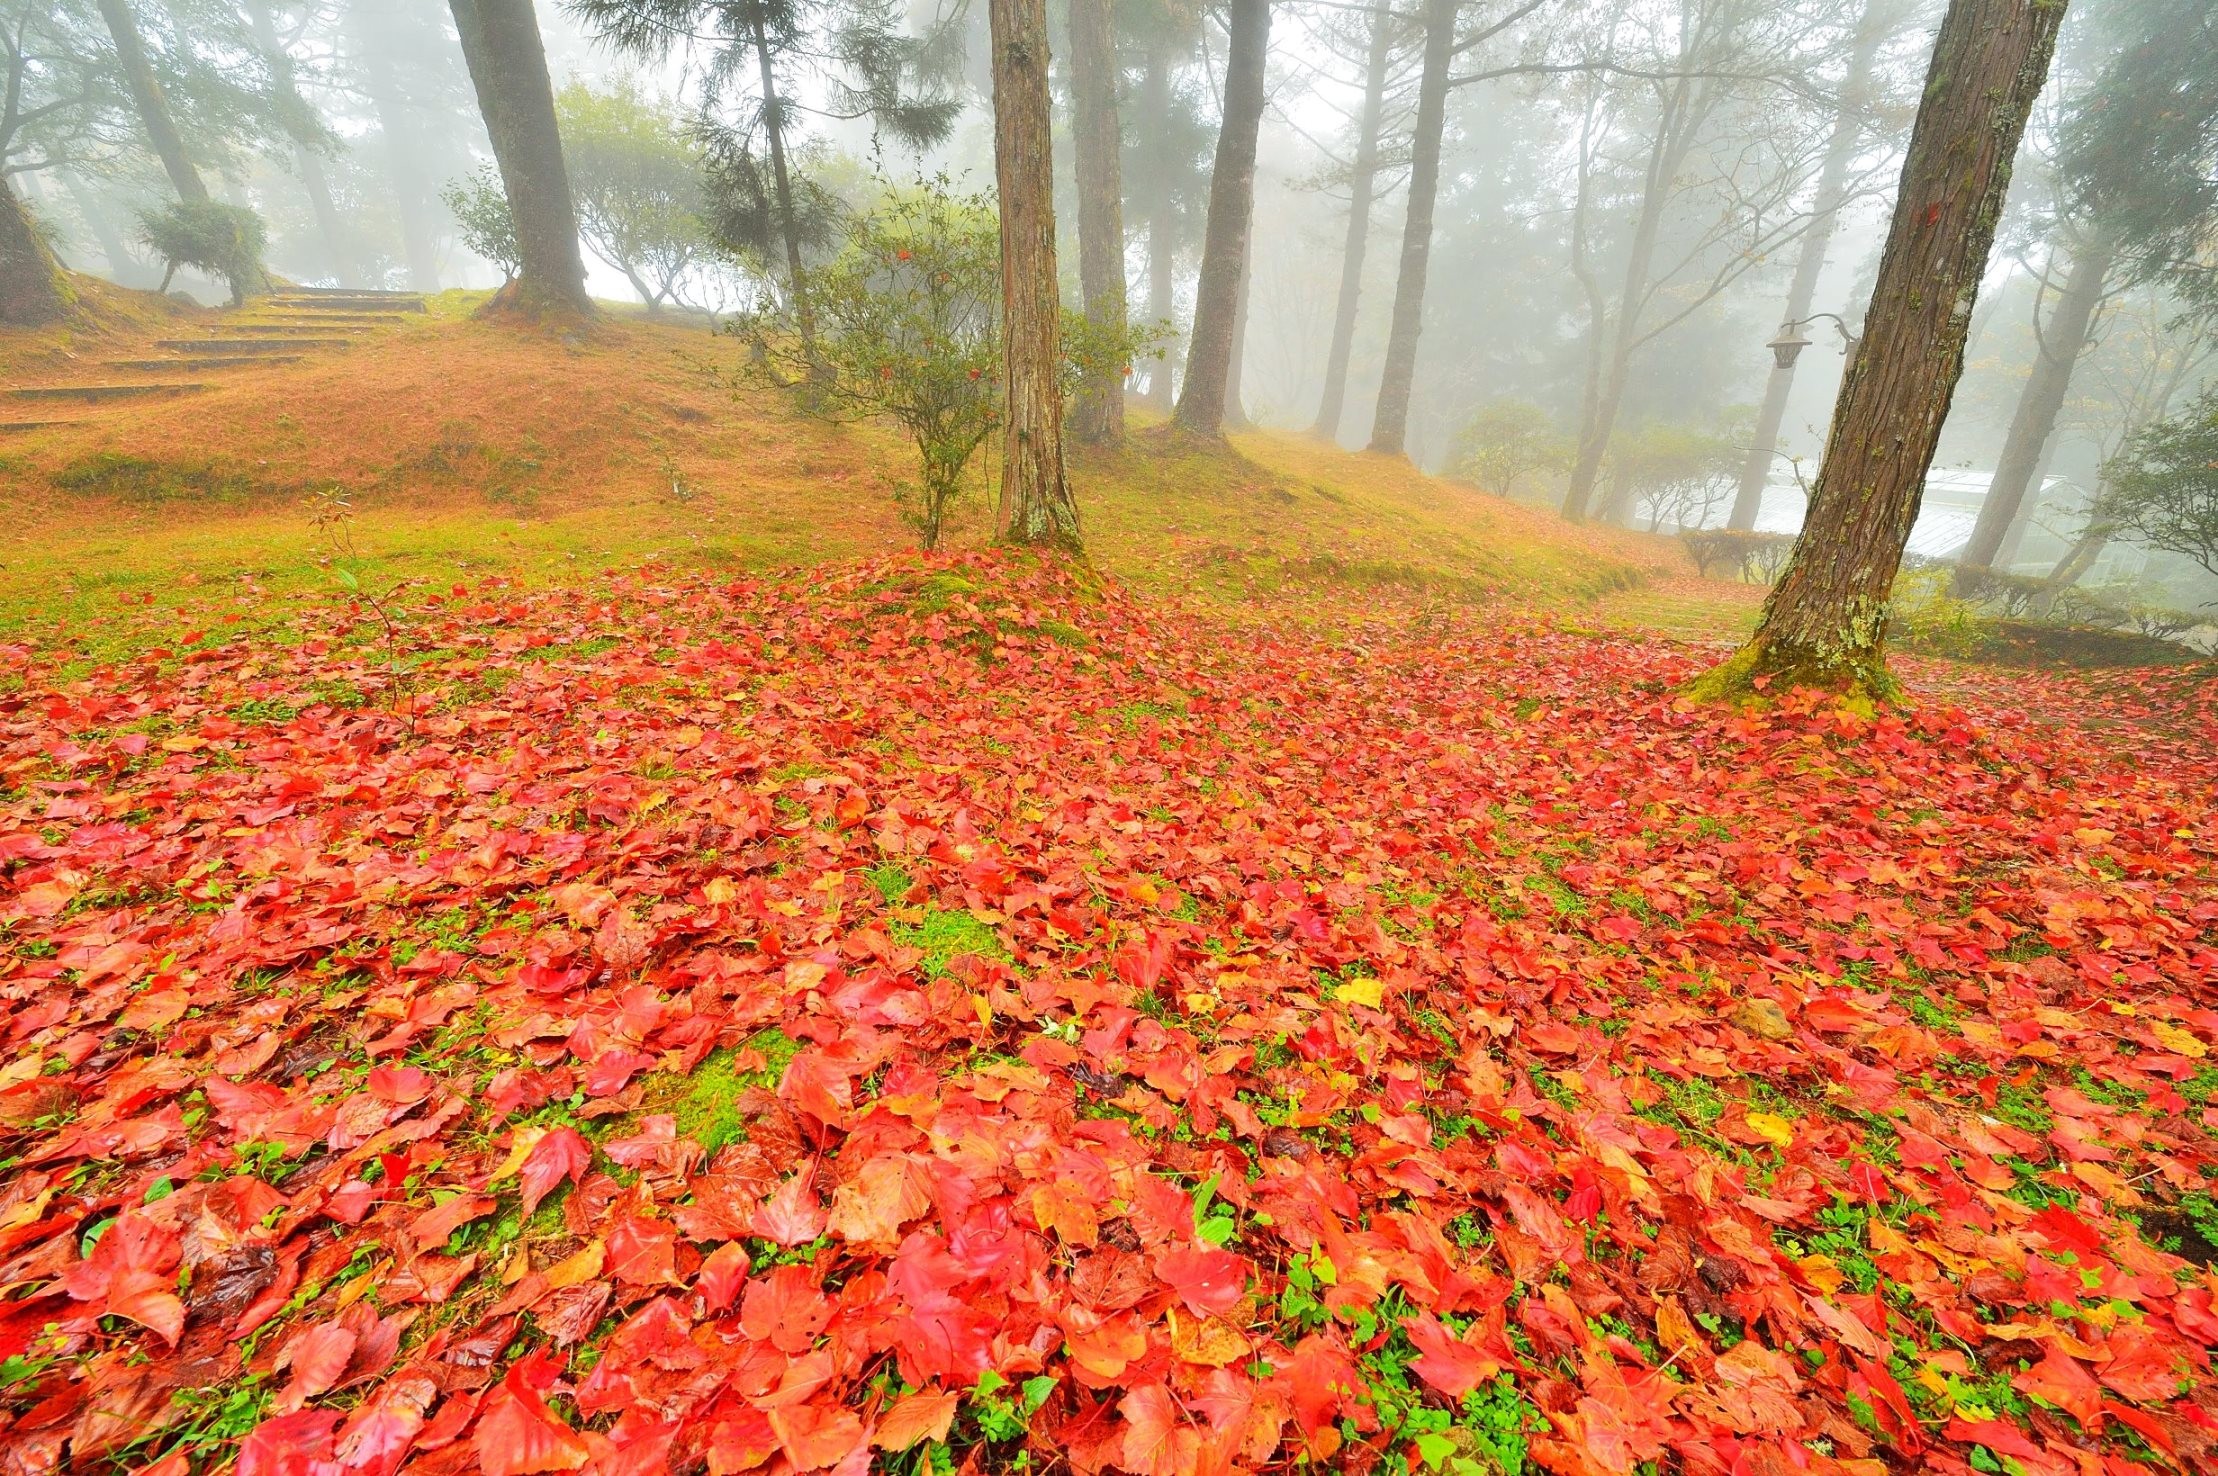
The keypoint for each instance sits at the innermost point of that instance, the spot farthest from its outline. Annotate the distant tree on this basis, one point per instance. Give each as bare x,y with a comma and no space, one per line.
1383,31
222,240
310,138
398,56
1825,622
152,102
638,178
1098,414
1504,442
1224,262
2163,488
480,207
853,49
507,60
1167,170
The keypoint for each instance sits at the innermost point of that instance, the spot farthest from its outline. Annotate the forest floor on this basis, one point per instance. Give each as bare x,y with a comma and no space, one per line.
948,1013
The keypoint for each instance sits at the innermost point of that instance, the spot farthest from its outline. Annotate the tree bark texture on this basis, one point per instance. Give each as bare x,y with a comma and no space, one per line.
1236,409
1201,399
508,68
1825,622
305,159
1398,376
1362,181
1802,290
2056,353
1036,505
148,100
32,287
1097,142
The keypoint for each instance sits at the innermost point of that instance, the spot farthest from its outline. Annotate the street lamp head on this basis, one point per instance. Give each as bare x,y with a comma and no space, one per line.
1788,346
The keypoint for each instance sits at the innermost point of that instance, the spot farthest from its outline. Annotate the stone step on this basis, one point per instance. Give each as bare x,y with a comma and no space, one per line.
247,345
382,305
95,392
383,293
207,361
15,427
278,328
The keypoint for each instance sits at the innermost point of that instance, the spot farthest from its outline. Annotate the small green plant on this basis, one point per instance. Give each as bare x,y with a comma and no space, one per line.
223,240
334,518
480,207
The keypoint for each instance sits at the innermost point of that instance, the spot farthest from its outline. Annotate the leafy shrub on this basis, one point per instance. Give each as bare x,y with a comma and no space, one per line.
637,175
1506,441
2163,488
480,207
222,240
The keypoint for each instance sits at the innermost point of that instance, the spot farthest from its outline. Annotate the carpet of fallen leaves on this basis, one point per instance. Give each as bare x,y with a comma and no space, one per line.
940,1016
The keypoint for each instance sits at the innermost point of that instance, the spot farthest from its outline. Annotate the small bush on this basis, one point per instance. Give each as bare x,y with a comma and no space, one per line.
1761,557
222,240
480,206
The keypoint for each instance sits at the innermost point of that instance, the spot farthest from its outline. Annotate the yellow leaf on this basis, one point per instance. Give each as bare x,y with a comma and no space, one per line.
1824,1273
1370,993
2178,1041
578,1268
1772,1128
520,1145
719,890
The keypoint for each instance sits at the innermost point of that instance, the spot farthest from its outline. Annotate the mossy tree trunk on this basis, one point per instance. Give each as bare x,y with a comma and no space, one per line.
1096,140
32,287
507,59
1224,252
1825,623
148,99
1036,506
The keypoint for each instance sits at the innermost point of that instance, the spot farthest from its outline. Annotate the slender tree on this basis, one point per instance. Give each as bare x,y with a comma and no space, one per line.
379,41
308,140
2058,346
1096,139
1390,421
152,104
1036,505
1849,123
1362,181
1201,400
1825,622
508,66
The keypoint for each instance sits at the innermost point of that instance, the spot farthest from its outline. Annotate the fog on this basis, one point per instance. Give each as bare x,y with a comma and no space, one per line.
1626,191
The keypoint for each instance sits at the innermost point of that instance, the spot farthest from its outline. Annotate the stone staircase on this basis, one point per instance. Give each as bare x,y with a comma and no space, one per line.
284,328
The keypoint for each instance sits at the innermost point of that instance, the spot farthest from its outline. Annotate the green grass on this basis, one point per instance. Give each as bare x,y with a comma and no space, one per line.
946,936
705,1101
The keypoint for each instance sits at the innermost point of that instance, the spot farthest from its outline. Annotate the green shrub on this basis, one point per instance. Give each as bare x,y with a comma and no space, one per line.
222,240
480,206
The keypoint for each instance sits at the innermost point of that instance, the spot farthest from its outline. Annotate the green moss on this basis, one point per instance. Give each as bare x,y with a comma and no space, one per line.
946,936
705,1101
891,881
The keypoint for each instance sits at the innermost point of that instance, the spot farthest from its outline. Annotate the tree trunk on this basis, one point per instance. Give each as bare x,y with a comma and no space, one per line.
284,80
32,286
508,68
1362,179
1236,409
147,98
404,155
1825,212
1162,225
2029,505
2056,354
1665,154
1036,506
1224,252
1390,423
781,177
1825,622
1099,415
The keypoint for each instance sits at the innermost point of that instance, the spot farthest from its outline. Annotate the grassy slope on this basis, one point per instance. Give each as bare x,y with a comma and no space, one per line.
465,448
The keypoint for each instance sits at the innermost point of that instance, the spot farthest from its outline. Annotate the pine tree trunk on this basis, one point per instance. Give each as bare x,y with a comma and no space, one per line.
1097,142
1802,290
781,179
1162,224
32,286
1390,423
1825,622
1036,506
1362,179
147,98
1224,255
2057,349
508,68
284,80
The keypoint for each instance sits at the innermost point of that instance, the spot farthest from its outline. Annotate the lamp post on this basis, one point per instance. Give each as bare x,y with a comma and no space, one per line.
1790,343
